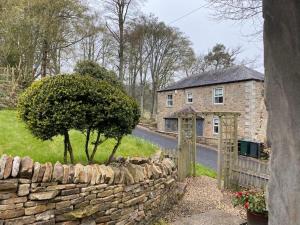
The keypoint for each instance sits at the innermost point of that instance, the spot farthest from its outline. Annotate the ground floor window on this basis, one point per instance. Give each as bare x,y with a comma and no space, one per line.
171,124
216,125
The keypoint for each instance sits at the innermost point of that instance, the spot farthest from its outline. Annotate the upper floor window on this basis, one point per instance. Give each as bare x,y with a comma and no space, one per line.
218,95
216,125
189,97
169,100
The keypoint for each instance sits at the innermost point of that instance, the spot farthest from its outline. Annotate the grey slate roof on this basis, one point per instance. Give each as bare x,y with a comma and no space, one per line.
229,75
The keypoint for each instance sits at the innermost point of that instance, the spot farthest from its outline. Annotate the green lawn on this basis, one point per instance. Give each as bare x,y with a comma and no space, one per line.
15,139
205,171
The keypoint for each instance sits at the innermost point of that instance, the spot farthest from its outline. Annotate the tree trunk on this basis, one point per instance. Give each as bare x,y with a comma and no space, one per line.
69,147
121,48
142,99
114,151
65,150
87,141
44,59
282,69
154,101
97,143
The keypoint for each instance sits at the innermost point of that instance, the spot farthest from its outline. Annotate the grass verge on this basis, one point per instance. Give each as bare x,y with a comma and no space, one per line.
205,171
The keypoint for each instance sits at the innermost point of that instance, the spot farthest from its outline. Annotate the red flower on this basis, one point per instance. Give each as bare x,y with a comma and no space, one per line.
247,205
239,194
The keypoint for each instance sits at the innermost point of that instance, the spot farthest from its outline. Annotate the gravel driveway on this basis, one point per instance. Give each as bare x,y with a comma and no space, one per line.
204,155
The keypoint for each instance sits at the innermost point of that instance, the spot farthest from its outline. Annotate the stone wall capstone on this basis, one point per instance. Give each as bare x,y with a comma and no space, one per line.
133,192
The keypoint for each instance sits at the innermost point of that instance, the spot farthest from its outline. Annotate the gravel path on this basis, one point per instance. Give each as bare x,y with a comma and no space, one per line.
203,196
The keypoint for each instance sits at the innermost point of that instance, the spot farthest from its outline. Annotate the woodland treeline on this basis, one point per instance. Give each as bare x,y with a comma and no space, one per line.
47,37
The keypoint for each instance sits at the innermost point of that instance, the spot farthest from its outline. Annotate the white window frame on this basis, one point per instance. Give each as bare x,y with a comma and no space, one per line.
214,124
188,94
214,95
170,102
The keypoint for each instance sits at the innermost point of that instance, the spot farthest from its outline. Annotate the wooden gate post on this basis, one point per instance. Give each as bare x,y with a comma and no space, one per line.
186,145
228,148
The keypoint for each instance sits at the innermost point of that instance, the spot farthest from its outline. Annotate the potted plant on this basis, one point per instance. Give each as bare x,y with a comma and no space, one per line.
255,204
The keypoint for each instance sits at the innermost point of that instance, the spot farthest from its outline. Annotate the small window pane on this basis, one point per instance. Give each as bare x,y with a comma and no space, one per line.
171,125
189,97
216,122
218,96
169,100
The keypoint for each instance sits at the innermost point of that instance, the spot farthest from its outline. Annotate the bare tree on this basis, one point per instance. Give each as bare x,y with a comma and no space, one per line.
165,46
118,12
237,9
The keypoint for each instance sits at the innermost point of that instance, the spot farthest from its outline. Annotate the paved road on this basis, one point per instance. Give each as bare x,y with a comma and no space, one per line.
204,155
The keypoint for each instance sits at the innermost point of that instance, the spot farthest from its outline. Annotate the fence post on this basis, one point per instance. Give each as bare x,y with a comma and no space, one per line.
220,155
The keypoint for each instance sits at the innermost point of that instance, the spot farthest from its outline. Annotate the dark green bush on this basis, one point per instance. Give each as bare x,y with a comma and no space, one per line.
56,105
93,69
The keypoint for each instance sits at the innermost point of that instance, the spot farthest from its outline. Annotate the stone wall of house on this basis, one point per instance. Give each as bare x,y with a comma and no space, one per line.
244,97
133,192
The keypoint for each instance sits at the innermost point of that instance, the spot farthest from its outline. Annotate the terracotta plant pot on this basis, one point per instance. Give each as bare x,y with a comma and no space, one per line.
256,219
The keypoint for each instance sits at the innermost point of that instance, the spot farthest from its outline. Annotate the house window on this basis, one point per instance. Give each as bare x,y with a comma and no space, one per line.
218,95
169,100
171,124
189,97
216,125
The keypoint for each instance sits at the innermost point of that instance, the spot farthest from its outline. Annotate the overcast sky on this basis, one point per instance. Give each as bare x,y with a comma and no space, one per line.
204,31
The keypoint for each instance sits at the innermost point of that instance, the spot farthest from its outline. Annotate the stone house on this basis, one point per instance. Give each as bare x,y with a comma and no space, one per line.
236,89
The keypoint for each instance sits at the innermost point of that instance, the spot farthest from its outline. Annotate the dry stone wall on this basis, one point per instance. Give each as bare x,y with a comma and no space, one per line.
133,192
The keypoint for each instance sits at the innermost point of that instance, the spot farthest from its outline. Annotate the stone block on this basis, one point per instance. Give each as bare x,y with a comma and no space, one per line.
58,172
66,169
69,223
105,193
136,200
8,167
82,213
48,173
61,187
23,189
26,168
10,185
41,173
77,170
70,191
43,195
14,213
13,200
63,210
62,204
20,220
38,209
36,171
2,165
128,177
16,166
45,216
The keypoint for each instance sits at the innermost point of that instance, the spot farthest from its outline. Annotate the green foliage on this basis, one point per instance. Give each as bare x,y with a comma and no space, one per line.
55,105
254,201
93,69
220,57
16,140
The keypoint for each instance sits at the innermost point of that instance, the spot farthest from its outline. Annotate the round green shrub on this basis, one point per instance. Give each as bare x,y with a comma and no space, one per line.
55,105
